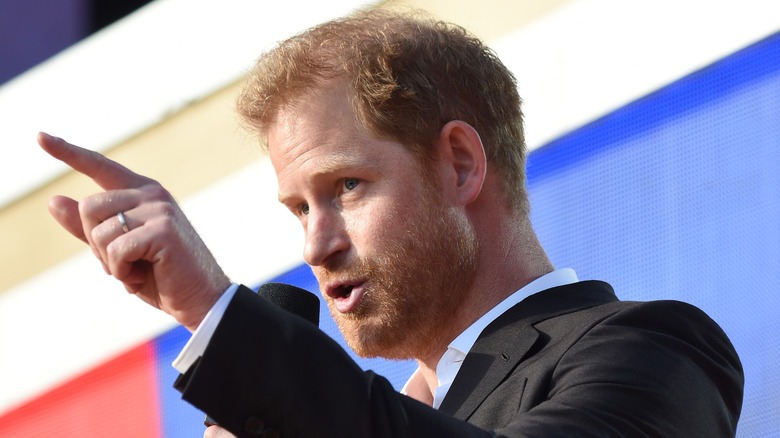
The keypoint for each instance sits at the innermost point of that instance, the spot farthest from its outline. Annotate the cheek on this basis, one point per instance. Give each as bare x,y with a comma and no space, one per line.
380,224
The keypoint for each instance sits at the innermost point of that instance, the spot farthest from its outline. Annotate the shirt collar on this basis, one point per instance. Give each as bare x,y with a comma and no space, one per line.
466,340
450,362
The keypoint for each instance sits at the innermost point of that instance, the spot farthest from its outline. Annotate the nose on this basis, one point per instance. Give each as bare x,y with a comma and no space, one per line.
326,237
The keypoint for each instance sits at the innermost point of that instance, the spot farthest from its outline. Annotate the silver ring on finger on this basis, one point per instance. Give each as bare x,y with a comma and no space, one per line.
122,221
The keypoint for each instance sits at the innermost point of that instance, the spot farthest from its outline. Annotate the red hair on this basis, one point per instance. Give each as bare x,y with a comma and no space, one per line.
409,76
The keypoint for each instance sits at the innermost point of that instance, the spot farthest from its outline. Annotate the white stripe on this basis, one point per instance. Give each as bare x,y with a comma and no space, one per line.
590,57
136,73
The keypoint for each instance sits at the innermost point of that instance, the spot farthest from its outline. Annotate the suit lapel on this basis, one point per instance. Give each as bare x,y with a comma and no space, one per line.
509,339
490,360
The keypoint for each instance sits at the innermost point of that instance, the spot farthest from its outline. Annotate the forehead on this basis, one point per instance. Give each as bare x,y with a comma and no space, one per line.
320,129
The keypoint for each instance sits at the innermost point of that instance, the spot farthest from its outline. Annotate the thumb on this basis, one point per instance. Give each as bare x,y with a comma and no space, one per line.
66,212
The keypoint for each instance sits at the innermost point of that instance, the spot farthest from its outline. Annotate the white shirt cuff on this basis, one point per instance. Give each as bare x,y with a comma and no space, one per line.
200,339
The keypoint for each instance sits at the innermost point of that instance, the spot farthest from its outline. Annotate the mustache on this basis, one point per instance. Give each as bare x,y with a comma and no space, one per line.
340,269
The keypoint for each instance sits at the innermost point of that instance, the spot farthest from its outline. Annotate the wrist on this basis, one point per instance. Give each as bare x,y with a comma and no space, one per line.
203,303
201,336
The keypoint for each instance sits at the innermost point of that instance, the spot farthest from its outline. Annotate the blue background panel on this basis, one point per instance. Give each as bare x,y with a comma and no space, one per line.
677,196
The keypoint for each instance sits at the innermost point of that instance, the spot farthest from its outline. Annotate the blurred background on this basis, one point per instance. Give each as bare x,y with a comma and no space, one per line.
655,136
35,30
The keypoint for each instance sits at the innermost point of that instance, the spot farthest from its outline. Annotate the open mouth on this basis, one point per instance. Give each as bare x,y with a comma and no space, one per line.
343,291
346,297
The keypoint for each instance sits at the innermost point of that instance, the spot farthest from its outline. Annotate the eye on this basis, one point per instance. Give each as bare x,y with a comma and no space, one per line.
351,183
305,209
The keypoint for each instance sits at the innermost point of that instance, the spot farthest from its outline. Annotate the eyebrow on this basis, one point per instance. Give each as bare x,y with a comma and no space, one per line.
333,165
340,162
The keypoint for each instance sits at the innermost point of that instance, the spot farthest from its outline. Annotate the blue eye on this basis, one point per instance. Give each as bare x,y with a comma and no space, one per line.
350,183
305,209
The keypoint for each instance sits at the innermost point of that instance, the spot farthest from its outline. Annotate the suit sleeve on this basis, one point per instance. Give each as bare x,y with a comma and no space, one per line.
266,370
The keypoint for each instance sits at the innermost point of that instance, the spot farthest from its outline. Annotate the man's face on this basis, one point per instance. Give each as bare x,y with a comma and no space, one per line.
393,259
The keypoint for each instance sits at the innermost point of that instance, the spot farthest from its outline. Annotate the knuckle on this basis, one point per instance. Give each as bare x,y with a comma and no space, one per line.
162,223
167,210
113,251
167,224
85,206
96,236
156,191
117,248
92,205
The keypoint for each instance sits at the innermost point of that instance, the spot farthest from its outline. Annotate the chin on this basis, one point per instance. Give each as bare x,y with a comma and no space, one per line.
370,340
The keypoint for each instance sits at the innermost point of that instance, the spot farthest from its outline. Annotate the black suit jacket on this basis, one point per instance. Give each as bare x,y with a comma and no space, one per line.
571,361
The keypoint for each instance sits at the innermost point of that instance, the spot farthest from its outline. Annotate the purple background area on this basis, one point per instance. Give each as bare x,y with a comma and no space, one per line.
31,31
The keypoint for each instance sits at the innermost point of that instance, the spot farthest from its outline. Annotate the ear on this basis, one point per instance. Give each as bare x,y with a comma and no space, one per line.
463,157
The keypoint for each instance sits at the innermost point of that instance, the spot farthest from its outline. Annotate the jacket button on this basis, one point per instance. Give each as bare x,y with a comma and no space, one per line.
254,426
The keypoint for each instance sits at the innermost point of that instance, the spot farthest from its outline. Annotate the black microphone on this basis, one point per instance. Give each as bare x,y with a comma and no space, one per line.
292,299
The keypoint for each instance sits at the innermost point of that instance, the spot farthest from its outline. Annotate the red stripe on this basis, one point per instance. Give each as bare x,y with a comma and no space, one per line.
116,399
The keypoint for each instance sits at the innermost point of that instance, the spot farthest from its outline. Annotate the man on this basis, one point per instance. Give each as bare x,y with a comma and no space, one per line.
398,144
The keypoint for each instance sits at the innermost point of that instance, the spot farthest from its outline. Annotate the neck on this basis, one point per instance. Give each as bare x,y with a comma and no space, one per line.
510,257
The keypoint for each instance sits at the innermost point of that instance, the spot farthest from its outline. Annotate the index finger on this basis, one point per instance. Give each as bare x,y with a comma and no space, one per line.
107,173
